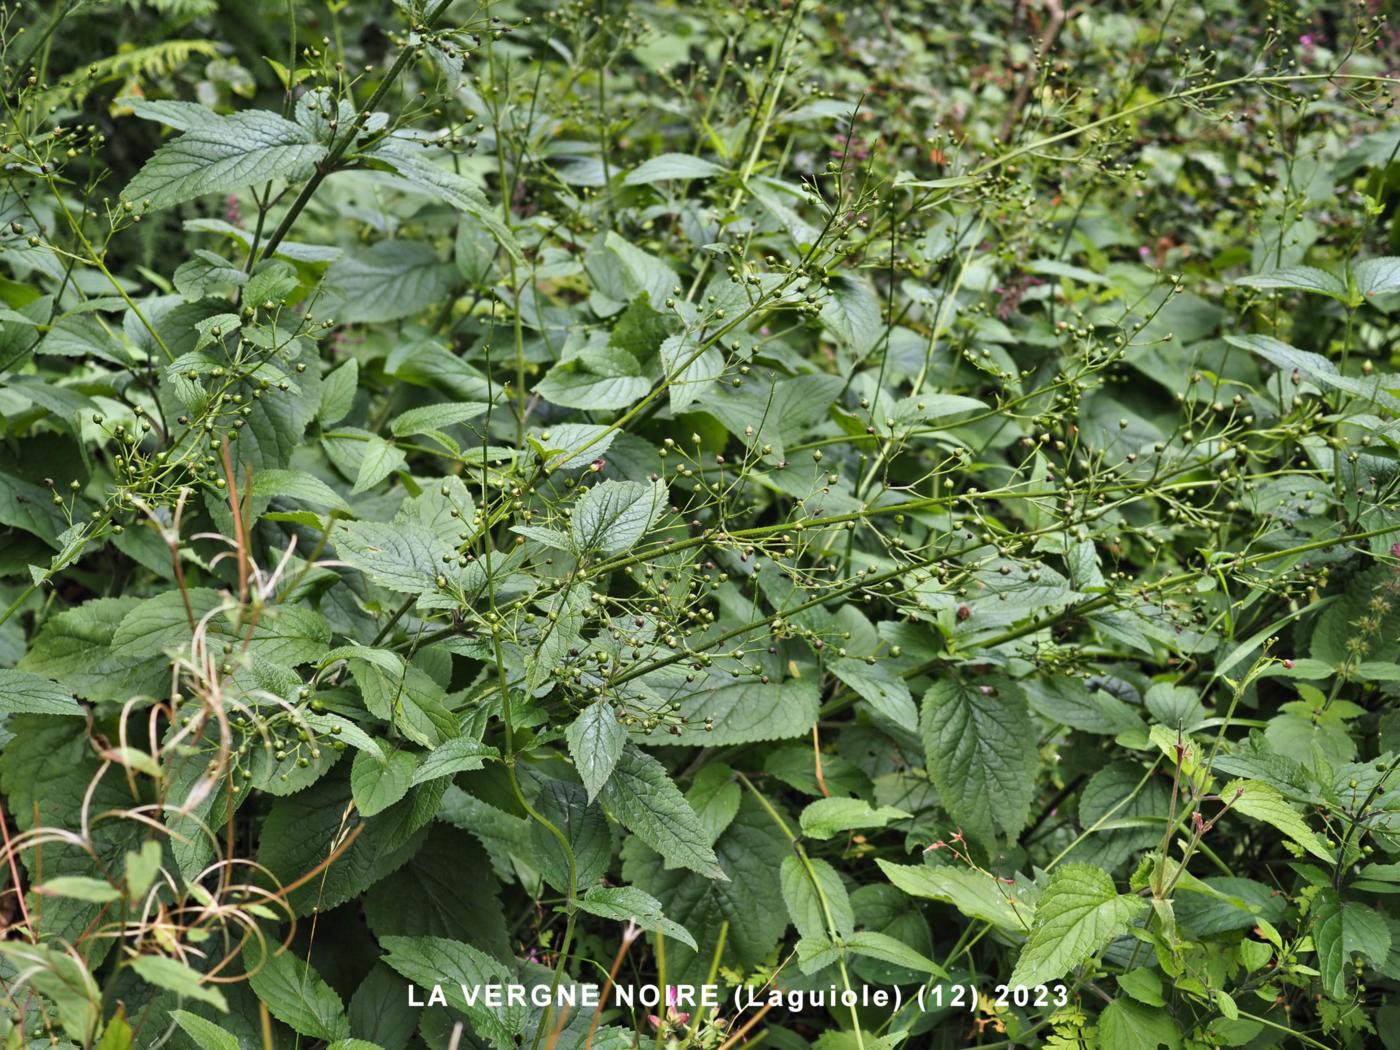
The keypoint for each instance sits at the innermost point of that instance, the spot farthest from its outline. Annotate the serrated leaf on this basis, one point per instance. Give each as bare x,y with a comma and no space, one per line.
380,459
1262,802
299,997
378,782
671,166
647,803
458,755
875,945
596,739
1077,916
461,970
976,894
745,712
625,903
1299,278
25,693
979,741
1377,276
204,1033
827,817
403,557
613,515
222,154
435,417
385,282
808,906
338,393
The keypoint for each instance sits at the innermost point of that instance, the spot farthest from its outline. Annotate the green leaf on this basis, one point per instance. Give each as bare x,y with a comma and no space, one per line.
79,887
458,755
25,693
1341,930
976,894
647,803
413,701
1263,802
613,515
1377,276
1077,916
296,485
175,976
827,817
751,850
427,961
745,712
338,393
380,459
300,831
223,154
807,907
204,1033
1299,278
852,314
385,282
1128,1025
625,903
402,557
377,783
874,945
666,166
435,417
979,741
596,739
605,379
299,997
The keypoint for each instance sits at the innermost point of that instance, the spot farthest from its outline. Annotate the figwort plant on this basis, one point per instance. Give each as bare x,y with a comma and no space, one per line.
888,509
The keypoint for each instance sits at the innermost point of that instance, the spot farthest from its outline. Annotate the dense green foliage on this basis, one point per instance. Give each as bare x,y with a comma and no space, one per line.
774,494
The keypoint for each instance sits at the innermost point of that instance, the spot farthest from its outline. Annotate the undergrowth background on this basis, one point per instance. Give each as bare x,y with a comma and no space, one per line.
788,494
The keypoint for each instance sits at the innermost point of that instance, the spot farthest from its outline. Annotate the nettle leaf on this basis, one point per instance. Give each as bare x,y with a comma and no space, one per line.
299,997
204,1033
751,850
613,515
377,783
627,903
1342,930
462,971
668,166
647,803
979,741
1299,278
385,282
608,378
811,891
435,417
827,817
977,894
402,557
1077,916
745,712
1377,276
28,694
596,740
222,154
1264,803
